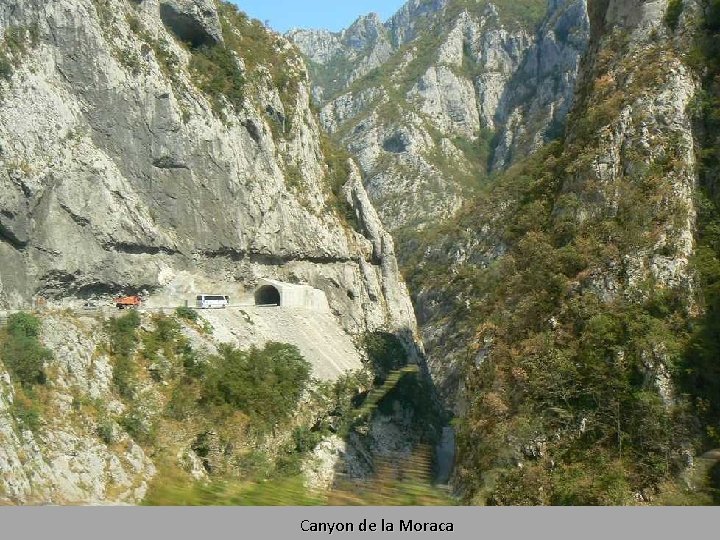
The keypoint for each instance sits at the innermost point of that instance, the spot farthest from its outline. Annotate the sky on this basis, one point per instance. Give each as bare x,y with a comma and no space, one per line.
329,14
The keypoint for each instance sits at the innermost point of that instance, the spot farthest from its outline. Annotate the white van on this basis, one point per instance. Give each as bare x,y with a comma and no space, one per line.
210,301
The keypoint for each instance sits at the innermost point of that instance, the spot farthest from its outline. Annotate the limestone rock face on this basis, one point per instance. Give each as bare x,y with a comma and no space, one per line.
193,21
122,170
121,175
449,100
458,90
319,45
543,87
67,462
409,19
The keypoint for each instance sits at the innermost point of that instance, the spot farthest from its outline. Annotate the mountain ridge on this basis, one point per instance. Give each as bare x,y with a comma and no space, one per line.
473,89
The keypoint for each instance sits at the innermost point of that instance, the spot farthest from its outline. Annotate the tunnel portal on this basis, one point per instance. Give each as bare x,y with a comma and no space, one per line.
267,295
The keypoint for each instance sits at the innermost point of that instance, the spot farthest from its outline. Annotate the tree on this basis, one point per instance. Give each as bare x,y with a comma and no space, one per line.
23,354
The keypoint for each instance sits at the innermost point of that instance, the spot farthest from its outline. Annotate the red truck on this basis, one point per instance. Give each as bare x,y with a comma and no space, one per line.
128,302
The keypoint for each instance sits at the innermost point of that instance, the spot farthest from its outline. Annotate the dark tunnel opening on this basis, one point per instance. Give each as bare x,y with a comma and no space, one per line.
267,295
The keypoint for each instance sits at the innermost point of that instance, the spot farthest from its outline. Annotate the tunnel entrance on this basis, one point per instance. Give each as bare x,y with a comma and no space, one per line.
267,295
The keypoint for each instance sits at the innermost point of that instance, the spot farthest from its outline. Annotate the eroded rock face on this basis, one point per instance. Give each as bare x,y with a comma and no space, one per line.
117,174
542,91
469,89
66,462
193,21
120,175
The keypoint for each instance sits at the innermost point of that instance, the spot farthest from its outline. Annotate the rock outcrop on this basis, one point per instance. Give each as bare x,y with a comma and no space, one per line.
153,147
193,21
458,91
119,174
68,463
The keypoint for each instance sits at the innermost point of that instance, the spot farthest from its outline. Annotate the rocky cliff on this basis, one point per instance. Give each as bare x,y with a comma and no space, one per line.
123,167
443,92
161,146
574,276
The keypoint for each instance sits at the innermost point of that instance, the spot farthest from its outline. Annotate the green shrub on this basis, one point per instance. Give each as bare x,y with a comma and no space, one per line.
106,431
385,352
265,384
182,401
125,376
26,408
14,45
165,337
6,68
207,328
140,428
305,439
187,313
25,358
216,72
22,353
23,324
194,366
288,461
672,15
123,334
255,464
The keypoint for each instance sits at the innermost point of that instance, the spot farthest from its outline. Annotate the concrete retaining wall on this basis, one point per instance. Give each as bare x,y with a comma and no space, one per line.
303,296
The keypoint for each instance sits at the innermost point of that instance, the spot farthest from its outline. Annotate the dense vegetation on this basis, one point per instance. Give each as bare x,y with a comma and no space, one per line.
25,358
568,385
264,384
565,388
22,353
701,368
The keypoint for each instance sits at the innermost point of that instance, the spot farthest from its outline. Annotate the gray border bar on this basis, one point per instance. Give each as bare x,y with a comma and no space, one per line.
210,523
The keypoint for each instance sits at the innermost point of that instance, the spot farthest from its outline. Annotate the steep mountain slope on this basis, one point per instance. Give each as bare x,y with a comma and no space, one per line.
567,301
132,154
576,282
162,146
442,93
549,169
